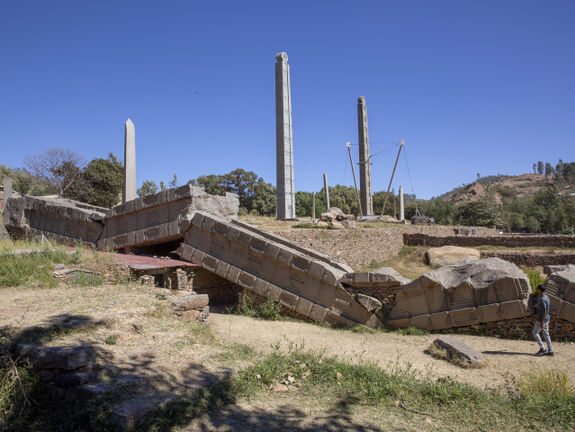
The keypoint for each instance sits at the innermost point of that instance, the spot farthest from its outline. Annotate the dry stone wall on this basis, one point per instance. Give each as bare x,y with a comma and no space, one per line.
512,241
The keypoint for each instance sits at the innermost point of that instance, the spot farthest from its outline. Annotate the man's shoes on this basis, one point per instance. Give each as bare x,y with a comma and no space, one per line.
551,353
541,352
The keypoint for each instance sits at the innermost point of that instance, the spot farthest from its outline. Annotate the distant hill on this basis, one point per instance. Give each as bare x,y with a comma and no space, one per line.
503,187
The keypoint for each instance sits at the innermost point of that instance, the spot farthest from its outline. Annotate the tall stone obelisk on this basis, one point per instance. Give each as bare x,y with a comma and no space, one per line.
130,186
285,208
401,205
364,159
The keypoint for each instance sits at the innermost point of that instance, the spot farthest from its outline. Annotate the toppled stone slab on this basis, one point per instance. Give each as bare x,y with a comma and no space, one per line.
459,350
381,277
560,287
61,219
61,357
463,294
74,379
162,217
299,279
447,255
336,215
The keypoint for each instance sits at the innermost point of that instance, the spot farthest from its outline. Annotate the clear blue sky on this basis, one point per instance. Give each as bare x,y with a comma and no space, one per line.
471,86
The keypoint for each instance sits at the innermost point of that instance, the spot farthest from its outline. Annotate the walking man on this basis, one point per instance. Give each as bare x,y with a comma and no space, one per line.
542,324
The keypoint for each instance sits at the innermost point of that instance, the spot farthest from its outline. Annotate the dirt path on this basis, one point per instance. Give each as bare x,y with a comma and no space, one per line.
506,358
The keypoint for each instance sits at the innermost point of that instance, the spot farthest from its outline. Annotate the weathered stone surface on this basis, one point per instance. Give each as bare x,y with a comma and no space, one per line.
459,349
548,269
364,158
274,268
195,301
130,185
163,217
58,218
381,277
60,357
447,255
560,287
370,303
461,290
284,142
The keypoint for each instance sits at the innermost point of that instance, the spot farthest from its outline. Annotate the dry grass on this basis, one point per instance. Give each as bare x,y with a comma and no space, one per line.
409,262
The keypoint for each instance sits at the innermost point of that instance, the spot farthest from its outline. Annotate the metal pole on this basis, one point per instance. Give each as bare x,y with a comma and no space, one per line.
391,179
354,180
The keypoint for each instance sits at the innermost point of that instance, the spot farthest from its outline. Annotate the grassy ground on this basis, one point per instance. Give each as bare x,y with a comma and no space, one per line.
136,335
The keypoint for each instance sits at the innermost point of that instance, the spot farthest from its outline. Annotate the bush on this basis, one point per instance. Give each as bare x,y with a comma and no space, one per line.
268,310
535,278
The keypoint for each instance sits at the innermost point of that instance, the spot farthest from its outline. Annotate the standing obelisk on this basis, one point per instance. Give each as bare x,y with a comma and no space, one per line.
364,159
129,162
285,208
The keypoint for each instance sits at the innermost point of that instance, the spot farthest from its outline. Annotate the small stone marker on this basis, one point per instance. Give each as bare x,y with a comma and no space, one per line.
460,350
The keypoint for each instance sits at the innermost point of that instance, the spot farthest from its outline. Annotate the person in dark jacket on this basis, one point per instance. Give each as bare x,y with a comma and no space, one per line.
542,324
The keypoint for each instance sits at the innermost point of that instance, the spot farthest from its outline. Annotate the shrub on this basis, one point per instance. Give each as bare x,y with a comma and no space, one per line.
535,278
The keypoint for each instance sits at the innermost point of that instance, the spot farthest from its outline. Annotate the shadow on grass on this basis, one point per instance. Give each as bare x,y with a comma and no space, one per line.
133,387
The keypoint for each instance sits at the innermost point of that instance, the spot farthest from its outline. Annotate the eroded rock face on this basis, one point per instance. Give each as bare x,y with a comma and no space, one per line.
463,294
447,255
560,287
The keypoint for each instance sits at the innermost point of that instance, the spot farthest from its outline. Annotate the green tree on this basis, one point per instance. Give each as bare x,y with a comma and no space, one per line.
149,187
479,213
100,182
549,170
58,168
540,167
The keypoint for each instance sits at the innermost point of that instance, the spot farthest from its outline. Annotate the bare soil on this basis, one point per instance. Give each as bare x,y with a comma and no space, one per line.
505,358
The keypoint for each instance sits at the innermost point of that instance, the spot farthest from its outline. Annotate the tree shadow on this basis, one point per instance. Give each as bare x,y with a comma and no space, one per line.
114,400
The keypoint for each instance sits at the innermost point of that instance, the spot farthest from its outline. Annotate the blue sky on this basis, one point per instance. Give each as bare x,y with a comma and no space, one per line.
471,86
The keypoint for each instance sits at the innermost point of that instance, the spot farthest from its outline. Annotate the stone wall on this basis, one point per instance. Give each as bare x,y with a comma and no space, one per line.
520,328
531,259
512,241
220,290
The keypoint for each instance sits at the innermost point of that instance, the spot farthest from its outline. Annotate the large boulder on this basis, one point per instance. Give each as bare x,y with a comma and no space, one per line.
463,294
560,287
447,255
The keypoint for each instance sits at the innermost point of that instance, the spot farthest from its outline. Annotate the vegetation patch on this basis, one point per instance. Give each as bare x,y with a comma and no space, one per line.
535,278
34,268
268,310
412,331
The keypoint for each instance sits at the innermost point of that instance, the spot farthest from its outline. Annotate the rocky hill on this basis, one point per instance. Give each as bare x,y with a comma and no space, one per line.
523,186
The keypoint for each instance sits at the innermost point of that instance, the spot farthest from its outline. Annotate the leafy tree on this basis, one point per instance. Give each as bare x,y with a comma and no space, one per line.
534,168
540,167
549,170
444,212
58,168
149,187
100,182
479,213
174,182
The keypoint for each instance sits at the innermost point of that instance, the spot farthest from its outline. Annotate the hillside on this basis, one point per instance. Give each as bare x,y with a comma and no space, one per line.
523,186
